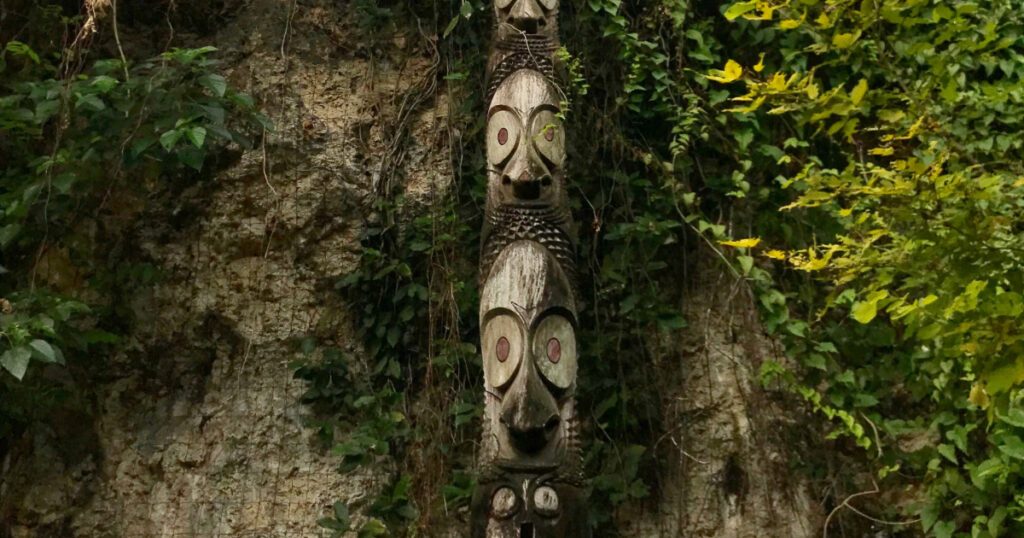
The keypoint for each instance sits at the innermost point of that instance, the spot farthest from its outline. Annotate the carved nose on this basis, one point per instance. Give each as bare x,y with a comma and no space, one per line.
529,412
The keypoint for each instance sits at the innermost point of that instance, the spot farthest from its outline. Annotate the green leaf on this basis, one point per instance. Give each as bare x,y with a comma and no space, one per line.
373,528
169,139
746,263
104,83
944,529
948,452
142,145
332,524
214,83
20,49
308,345
8,233
196,135
1014,416
1012,446
15,361
97,336
451,26
466,9
816,360
90,101
42,350
951,91
192,158
670,321
341,514
929,515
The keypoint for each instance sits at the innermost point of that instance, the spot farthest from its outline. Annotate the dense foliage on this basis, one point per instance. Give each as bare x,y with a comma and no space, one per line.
922,107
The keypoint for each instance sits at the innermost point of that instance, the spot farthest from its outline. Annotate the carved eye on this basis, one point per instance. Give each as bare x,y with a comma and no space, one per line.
502,349
554,350
549,4
502,137
549,138
554,343
502,4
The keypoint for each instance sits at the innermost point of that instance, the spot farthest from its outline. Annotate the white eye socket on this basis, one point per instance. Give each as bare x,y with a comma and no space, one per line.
502,346
554,350
549,137
502,137
549,4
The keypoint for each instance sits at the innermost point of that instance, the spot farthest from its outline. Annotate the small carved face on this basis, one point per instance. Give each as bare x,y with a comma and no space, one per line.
527,16
525,142
522,505
529,348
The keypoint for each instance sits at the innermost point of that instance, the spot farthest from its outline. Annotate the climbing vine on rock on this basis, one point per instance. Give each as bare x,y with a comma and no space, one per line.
73,130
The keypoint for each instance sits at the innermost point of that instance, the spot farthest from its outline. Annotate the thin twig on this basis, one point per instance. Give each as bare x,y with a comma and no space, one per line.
846,503
117,39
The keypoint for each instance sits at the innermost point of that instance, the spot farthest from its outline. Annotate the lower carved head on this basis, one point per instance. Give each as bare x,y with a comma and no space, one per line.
529,505
529,350
525,142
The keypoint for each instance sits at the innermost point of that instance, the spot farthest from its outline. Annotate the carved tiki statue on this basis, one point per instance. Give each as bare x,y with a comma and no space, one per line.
530,483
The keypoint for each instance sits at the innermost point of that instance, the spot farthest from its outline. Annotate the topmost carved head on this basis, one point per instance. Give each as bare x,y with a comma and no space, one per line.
528,16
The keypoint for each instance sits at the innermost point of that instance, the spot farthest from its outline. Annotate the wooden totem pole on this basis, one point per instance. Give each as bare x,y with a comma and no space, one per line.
530,469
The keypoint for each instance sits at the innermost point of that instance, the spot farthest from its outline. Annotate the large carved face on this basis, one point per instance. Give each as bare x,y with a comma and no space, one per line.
525,142
527,16
528,343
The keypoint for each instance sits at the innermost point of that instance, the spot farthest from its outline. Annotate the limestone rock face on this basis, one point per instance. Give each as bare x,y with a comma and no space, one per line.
197,429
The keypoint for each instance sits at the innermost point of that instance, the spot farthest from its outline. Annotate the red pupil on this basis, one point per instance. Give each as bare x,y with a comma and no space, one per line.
554,350
503,136
502,349
549,134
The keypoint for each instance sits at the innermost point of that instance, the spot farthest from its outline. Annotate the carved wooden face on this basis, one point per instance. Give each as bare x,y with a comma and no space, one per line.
529,349
525,142
527,16
521,505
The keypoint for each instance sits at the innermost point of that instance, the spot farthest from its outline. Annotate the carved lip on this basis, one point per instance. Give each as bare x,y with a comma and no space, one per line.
513,466
519,42
531,206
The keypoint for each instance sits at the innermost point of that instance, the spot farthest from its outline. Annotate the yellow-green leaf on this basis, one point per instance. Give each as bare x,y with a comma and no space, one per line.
742,243
789,24
865,311
739,8
733,70
845,41
857,94
979,396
